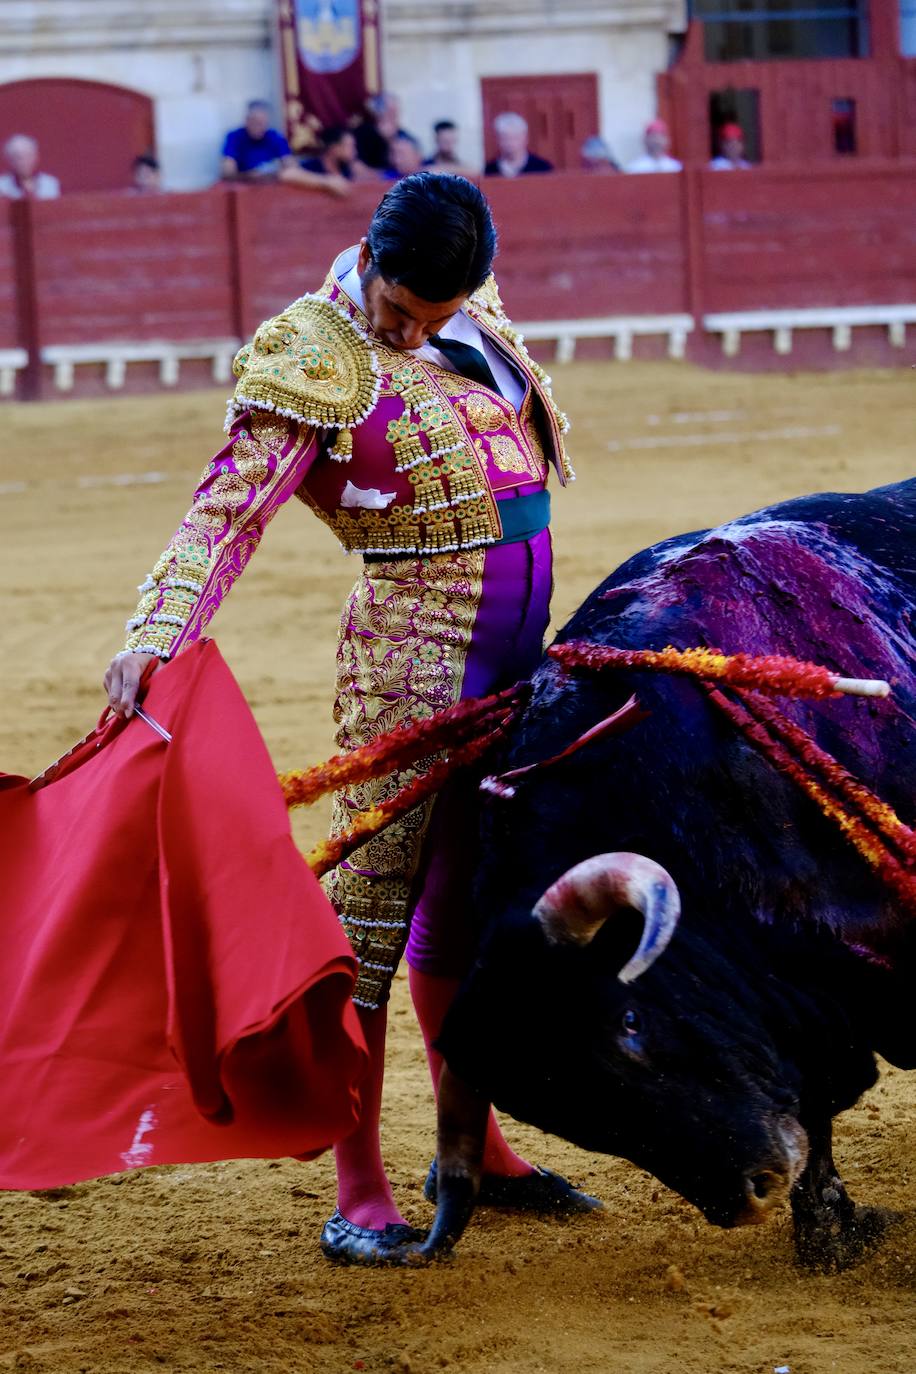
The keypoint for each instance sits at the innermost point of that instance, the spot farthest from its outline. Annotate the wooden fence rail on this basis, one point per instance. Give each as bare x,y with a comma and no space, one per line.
108,291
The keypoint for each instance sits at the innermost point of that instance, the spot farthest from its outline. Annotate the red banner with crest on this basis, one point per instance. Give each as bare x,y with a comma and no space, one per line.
330,54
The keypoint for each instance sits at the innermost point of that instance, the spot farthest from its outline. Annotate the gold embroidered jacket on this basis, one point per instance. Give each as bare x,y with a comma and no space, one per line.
395,454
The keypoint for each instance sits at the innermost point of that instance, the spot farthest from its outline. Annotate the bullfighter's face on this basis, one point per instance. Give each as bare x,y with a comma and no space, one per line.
397,316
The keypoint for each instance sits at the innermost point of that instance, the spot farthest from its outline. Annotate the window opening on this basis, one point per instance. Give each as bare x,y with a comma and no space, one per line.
757,30
843,114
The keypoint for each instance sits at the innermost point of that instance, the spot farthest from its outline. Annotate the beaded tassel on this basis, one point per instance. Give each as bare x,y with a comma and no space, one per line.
343,446
463,485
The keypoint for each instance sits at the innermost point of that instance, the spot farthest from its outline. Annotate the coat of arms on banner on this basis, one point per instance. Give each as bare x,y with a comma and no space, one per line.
328,34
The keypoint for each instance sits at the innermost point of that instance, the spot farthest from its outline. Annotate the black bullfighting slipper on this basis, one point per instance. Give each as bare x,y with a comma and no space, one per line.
543,1191
346,1243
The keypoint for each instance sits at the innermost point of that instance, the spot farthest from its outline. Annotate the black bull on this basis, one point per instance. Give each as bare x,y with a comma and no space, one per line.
720,1068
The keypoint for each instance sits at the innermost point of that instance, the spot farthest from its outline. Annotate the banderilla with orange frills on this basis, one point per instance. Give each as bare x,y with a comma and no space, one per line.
774,673
866,822
463,733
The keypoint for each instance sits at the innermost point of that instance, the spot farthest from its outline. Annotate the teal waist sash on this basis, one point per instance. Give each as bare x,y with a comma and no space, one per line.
522,517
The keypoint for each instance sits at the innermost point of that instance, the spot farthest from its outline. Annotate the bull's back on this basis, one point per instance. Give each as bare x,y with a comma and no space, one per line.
830,578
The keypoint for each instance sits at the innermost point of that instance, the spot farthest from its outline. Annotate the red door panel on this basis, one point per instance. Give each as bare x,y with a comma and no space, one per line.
562,112
89,132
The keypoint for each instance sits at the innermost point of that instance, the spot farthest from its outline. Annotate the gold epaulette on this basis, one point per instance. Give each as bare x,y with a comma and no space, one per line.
487,301
486,305
311,363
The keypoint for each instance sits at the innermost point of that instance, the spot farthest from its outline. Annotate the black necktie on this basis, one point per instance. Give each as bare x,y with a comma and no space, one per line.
469,361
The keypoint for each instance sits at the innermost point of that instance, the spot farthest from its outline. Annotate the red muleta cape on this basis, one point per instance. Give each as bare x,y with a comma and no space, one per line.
174,985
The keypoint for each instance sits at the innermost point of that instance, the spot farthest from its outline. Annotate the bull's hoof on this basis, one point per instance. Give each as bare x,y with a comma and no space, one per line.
830,1241
541,1191
431,1253
343,1242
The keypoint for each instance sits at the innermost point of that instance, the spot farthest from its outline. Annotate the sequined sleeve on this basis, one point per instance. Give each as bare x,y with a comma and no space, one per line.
241,490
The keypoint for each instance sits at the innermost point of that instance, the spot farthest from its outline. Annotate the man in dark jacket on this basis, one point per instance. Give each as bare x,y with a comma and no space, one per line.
514,158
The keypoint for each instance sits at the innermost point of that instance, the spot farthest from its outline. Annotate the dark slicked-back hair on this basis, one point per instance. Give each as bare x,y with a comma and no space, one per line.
433,234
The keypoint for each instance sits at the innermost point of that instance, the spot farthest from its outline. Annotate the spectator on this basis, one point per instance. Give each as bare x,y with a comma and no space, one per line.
445,153
334,169
656,157
596,156
338,154
256,152
146,178
514,158
731,150
24,179
406,157
380,126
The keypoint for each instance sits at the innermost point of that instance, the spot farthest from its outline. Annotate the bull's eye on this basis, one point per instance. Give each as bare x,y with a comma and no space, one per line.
631,1022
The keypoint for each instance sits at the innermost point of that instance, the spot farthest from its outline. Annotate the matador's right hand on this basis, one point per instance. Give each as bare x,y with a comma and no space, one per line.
122,681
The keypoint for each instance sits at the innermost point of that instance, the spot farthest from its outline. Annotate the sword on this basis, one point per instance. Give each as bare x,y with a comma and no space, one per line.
153,724
49,773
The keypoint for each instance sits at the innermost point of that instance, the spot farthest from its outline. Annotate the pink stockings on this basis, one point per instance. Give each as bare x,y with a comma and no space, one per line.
432,997
363,1192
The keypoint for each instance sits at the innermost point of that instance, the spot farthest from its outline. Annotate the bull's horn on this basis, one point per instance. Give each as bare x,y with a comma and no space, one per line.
575,908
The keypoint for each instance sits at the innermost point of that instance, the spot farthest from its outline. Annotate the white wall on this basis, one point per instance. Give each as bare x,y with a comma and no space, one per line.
202,60
436,52
199,60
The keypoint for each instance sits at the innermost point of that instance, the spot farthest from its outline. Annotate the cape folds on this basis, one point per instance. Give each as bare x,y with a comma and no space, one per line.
175,986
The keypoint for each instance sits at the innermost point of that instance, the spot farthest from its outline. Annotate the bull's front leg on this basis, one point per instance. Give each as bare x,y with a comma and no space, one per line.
463,1116
831,1231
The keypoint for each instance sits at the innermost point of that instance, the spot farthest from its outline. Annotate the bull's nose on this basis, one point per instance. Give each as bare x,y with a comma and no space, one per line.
764,1190
767,1186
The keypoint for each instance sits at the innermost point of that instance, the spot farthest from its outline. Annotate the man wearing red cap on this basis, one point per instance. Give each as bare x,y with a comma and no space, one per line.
731,150
656,157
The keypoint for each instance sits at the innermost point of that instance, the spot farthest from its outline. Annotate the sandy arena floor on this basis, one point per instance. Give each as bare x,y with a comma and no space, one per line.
217,1267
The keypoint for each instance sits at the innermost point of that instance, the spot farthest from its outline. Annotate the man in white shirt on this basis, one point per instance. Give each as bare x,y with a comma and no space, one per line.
24,179
731,150
656,157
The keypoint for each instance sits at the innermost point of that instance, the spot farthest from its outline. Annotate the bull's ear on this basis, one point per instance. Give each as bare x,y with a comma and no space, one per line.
575,908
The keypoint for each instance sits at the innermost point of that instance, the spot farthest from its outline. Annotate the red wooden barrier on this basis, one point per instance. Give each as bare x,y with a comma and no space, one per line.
809,236
126,268
209,266
574,245
9,331
907,107
287,239
571,245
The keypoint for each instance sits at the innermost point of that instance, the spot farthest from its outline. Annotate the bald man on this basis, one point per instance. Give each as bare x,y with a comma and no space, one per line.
23,179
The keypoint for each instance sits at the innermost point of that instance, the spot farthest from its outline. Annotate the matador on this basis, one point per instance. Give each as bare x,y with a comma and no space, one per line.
399,404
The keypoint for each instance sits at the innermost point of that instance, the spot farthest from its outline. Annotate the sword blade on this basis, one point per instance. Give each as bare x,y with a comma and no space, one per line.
153,724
